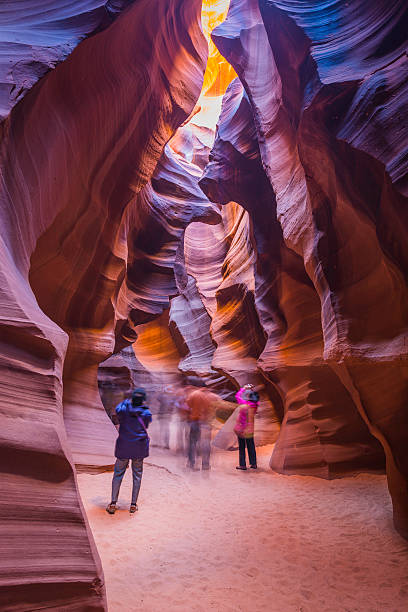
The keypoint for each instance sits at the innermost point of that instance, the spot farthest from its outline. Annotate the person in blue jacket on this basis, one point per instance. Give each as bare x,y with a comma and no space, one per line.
132,443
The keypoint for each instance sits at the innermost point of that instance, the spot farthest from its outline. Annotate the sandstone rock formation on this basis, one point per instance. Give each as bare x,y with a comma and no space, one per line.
325,90
279,260
117,377
322,433
77,153
277,292
36,38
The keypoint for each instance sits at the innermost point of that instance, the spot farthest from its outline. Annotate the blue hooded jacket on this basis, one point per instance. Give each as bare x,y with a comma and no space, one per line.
133,441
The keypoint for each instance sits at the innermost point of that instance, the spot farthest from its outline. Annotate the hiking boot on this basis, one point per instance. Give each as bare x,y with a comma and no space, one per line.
111,508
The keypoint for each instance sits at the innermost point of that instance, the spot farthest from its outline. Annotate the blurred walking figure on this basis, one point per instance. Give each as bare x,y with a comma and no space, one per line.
183,425
132,444
247,399
166,406
202,404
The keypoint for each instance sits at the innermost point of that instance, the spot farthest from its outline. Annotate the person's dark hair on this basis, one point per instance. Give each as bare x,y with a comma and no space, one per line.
250,393
253,396
138,396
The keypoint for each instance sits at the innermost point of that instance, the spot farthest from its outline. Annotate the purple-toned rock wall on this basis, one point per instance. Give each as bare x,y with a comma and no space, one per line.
319,113
77,156
272,252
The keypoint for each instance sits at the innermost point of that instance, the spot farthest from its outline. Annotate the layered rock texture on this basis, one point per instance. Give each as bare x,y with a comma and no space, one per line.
272,251
35,38
311,142
80,231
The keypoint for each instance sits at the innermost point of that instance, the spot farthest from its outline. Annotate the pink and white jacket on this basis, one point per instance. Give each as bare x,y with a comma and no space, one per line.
244,426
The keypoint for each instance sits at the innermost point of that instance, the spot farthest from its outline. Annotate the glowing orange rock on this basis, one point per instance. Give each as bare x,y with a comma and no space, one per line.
76,152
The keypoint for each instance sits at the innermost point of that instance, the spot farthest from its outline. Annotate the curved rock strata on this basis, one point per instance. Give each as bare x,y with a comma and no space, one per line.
327,103
322,432
298,283
35,38
76,152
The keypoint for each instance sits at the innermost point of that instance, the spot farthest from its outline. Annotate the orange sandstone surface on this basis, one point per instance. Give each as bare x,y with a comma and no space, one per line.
141,243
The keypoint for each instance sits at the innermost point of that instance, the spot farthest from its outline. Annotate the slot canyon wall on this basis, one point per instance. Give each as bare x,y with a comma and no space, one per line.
312,142
81,225
135,240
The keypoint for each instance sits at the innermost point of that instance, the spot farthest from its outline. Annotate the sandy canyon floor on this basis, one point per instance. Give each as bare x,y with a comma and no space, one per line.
228,541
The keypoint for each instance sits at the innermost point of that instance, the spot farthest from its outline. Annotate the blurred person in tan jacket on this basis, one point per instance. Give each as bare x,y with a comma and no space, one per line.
202,404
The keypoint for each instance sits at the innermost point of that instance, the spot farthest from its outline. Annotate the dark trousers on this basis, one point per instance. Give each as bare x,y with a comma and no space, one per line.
194,439
250,444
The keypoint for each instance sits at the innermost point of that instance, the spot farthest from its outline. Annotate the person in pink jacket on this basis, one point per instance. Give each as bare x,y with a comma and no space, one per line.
247,399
